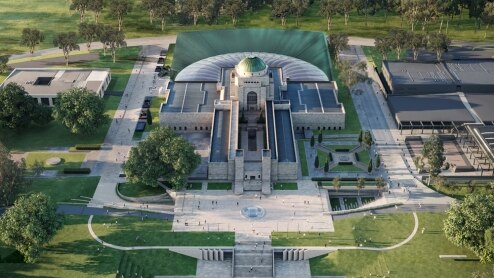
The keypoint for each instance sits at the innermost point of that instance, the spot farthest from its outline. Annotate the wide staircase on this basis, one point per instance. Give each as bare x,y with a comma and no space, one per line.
253,257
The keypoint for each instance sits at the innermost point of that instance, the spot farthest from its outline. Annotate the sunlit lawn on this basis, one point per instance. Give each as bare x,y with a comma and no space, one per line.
303,158
69,159
139,190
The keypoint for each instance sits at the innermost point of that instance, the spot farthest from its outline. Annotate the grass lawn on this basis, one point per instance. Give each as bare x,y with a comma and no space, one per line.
56,135
155,232
459,190
219,185
418,258
169,55
194,185
323,156
345,168
364,157
385,230
137,190
155,112
377,59
303,158
69,160
335,204
73,253
350,202
285,186
64,189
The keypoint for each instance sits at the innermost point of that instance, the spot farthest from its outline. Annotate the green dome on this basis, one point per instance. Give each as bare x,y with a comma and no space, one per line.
251,64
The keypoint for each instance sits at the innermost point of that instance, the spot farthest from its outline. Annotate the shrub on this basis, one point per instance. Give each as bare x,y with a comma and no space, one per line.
357,157
345,163
88,147
76,171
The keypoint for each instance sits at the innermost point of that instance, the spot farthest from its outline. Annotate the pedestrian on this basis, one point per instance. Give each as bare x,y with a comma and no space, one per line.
237,204
212,202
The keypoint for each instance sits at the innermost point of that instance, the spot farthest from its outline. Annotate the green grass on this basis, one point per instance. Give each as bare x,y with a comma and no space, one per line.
131,231
303,158
335,204
364,157
323,156
376,58
219,185
64,189
69,160
194,186
137,190
137,135
460,190
350,202
169,55
345,168
385,230
285,186
418,258
155,112
73,253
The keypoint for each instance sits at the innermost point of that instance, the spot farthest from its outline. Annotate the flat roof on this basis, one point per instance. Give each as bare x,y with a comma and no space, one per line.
477,72
483,105
188,97
418,73
427,108
311,97
45,81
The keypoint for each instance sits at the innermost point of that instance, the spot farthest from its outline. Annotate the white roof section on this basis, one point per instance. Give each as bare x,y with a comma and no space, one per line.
209,69
61,79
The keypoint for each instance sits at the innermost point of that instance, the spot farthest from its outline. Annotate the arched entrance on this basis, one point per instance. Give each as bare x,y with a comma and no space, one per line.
252,100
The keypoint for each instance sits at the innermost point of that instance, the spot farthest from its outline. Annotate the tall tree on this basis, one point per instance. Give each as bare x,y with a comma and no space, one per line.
312,141
326,166
31,37
360,184
96,6
113,39
328,9
448,9
234,8
194,8
67,42
344,8
282,9
488,16
17,107
4,60
366,7
150,6
30,224
316,161
380,183
383,46
411,11
336,183
80,110
475,10
162,155
387,6
351,74
11,177
319,137
164,10
367,139
439,43
81,6
119,9
417,42
398,39
337,43
467,222
90,32
299,8
433,150
212,11
369,166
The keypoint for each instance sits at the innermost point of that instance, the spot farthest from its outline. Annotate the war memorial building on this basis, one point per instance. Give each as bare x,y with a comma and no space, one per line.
253,96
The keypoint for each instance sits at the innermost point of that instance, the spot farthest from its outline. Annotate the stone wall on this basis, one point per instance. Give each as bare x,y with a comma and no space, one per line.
187,122
318,120
218,170
287,170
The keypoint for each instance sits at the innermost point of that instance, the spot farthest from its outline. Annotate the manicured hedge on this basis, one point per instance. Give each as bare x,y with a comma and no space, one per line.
330,156
345,163
76,171
341,150
356,157
88,147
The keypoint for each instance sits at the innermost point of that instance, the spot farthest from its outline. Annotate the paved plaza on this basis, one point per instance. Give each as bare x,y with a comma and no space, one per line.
305,209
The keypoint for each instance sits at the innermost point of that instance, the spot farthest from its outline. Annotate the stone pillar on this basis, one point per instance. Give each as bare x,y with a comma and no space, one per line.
266,172
215,254
285,255
239,172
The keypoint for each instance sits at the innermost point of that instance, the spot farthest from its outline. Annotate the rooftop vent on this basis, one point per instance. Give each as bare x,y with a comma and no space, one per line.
43,81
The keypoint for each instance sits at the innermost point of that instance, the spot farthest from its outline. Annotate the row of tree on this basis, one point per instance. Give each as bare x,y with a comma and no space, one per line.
360,184
78,109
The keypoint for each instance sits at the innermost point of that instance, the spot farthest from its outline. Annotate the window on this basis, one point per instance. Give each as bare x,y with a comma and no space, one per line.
308,128
323,128
179,128
174,128
201,127
251,98
318,128
206,128
45,101
196,128
298,128
339,127
185,128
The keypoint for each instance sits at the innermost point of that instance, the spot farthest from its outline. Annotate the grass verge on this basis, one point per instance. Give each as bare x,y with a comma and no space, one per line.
194,185
69,160
219,185
303,158
345,168
285,186
66,189
137,190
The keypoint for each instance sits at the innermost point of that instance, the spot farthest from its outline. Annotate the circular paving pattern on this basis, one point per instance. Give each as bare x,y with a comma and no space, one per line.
253,212
53,161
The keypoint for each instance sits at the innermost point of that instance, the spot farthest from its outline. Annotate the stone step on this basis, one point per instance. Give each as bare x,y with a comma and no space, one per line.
253,271
254,260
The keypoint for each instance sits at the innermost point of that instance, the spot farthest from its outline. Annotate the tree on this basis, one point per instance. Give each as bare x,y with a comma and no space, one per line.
80,110
360,137
417,41
150,6
81,7
234,8
96,6
488,16
387,6
4,60
149,118
380,183
211,11
352,74
326,166
119,9
360,184
428,11
299,8
90,32
113,39
30,224
369,166
194,8
398,39
383,46
475,10
316,161
337,43
448,8
42,115
319,138
31,37
312,141
439,43
378,161
282,9
17,107
433,151
411,11
11,177
38,167
67,42
328,9
367,140
162,155
336,183
366,7
164,10
344,8
467,223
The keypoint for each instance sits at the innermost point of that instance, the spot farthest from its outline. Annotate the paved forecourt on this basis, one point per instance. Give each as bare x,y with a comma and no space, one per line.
305,209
